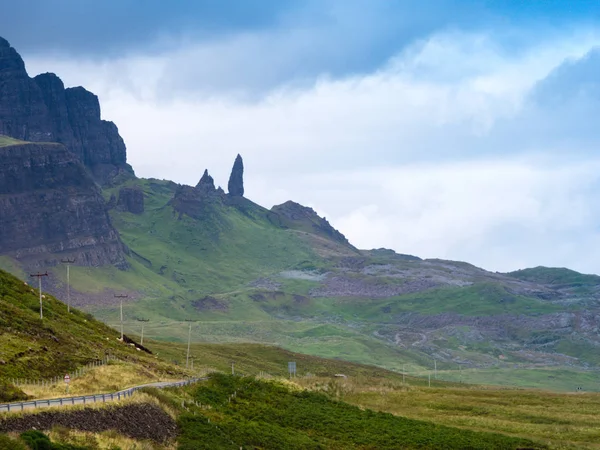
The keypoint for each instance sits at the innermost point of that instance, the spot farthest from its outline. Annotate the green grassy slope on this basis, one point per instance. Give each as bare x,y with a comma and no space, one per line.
238,412
220,253
34,348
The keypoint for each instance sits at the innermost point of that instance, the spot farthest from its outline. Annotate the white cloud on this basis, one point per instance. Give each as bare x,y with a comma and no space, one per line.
409,157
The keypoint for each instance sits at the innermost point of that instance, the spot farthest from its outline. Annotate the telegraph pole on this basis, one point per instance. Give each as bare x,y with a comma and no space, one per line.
39,277
143,321
68,262
121,297
187,358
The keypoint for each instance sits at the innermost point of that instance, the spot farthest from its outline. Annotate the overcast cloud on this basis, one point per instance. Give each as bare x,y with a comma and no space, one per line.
455,134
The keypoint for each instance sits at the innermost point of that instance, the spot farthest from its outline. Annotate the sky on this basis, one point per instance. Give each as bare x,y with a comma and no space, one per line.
455,129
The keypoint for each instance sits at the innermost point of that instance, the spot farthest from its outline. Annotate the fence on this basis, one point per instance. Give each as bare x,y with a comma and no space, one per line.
59,379
85,399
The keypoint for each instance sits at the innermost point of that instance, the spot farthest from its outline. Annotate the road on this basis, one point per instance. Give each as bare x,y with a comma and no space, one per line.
87,399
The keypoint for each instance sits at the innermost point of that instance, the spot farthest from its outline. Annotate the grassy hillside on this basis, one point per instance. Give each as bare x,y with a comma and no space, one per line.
243,273
556,276
34,348
239,412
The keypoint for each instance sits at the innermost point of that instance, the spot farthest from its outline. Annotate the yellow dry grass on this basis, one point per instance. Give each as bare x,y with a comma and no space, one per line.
110,378
561,420
104,440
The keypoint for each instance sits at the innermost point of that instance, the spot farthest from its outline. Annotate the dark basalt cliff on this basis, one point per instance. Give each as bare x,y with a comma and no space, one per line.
40,109
51,208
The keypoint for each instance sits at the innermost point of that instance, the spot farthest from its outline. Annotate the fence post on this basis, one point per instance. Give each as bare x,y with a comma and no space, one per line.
8,407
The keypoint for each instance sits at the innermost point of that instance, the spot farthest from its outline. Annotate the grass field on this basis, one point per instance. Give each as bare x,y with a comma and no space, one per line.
565,421
231,412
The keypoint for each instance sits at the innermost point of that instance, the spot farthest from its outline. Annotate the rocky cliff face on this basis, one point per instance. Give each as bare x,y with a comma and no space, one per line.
51,208
40,109
131,200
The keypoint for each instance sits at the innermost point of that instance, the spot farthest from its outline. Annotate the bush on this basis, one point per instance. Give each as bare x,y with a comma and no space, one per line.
7,443
36,440
11,393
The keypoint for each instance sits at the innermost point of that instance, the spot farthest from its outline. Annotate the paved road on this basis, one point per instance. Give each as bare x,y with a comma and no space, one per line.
86,399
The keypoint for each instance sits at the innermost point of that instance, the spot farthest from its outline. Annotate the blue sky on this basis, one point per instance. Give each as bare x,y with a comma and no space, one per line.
457,129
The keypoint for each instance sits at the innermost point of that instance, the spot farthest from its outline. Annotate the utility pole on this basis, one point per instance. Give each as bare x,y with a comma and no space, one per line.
435,369
39,277
68,262
143,321
121,297
232,370
403,373
187,358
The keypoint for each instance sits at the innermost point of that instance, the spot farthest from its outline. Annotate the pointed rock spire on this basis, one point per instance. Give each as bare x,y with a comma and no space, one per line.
236,180
206,183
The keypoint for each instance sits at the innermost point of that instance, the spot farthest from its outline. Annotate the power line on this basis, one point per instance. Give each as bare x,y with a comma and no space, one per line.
68,262
187,358
143,321
121,297
39,277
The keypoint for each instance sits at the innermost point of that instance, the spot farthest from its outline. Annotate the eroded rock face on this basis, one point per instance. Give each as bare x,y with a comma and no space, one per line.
131,200
51,208
236,180
294,215
40,109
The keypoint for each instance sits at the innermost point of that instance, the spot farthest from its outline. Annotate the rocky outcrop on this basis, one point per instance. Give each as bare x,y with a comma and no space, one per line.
131,200
236,180
42,110
206,183
51,208
295,216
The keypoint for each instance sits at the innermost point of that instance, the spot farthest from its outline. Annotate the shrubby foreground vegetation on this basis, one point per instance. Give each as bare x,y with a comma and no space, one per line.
230,412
